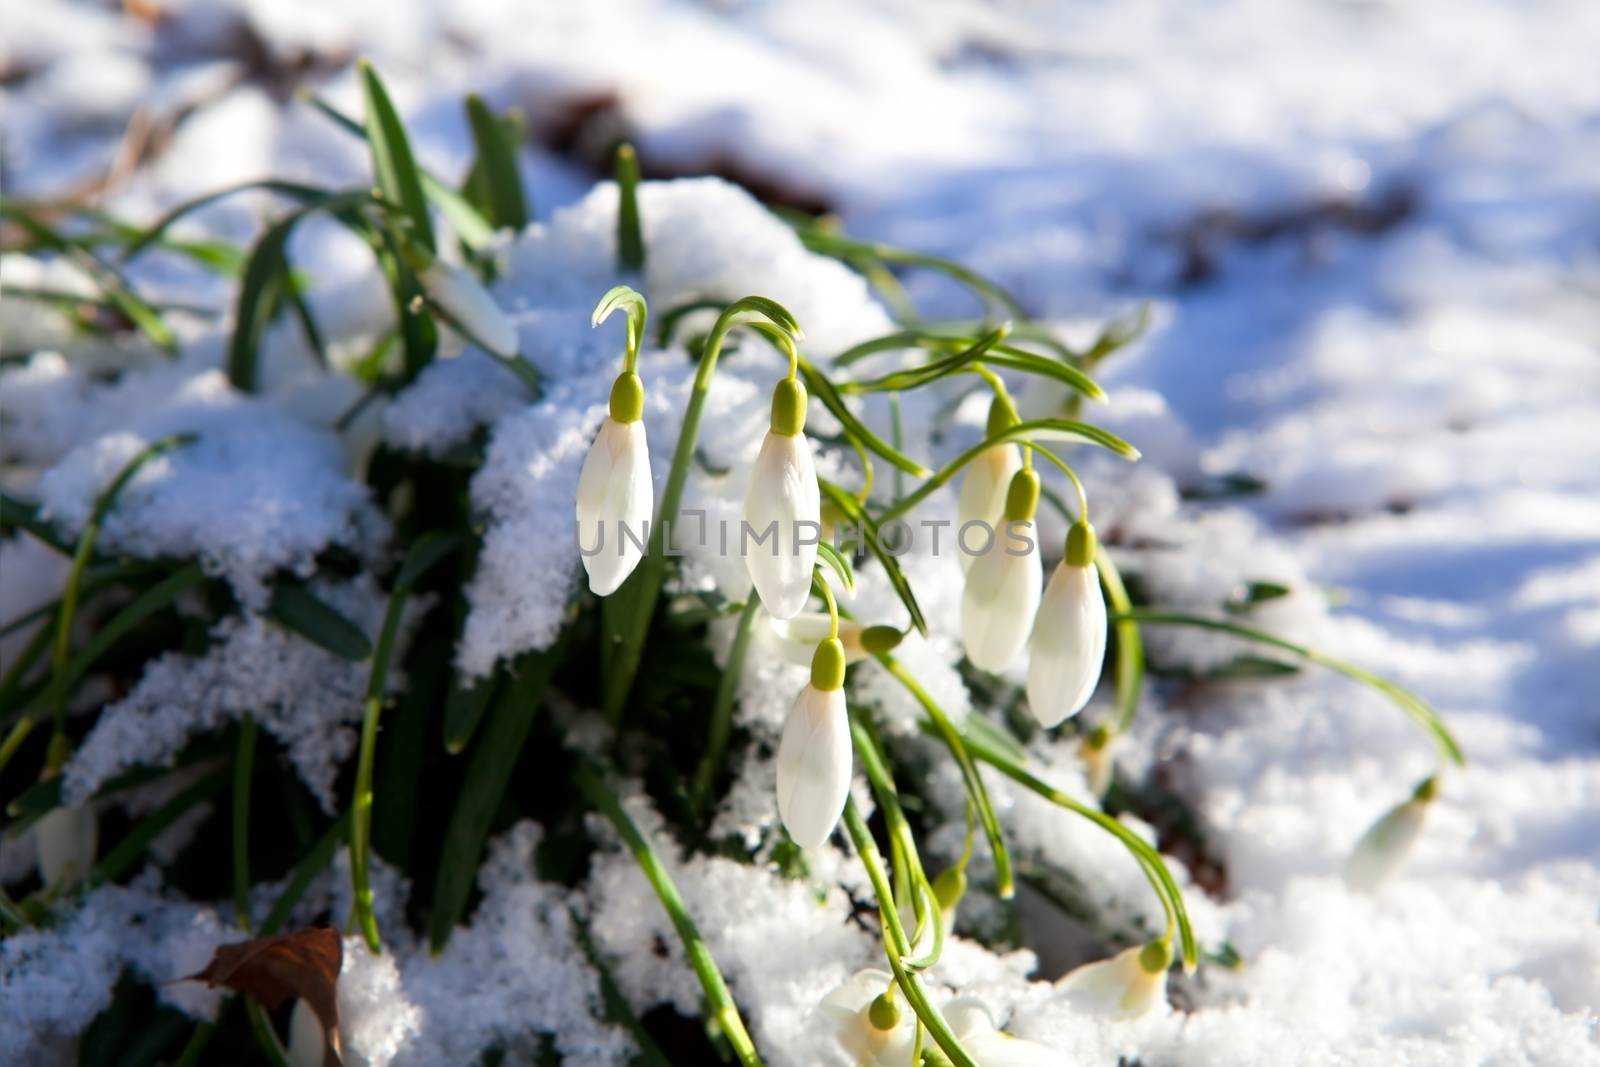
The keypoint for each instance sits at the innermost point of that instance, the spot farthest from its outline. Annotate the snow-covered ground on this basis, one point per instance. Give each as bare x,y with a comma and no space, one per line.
1370,232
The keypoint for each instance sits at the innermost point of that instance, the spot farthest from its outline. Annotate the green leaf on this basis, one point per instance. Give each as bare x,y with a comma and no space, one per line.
463,710
630,237
496,167
393,165
493,759
468,222
818,383
265,274
117,291
428,551
295,608
841,566
1250,594
851,508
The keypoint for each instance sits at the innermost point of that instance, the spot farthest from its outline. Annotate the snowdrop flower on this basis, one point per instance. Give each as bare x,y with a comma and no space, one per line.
783,503
1384,847
990,1046
1123,987
798,638
863,1018
67,839
984,486
1002,590
468,306
615,496
307,1042
814,752
1069,635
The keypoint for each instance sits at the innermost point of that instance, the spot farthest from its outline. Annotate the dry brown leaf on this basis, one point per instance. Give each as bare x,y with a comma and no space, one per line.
270,970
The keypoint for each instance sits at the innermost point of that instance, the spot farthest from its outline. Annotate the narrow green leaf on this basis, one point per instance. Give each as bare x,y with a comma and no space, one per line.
630,237
296,608
429,550
722,706
120,860
468,222
872,533
724,1012
818,384
493,759
463,710
393,165
840,565
497,166
117,290
265,274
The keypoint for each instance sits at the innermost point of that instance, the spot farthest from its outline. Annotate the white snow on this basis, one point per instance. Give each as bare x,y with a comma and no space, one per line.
1369,231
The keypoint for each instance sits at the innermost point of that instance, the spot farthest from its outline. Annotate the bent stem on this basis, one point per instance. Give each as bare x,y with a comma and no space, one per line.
948,733
627,612
1149,860
723,1009
1414,706
1022,432
896,946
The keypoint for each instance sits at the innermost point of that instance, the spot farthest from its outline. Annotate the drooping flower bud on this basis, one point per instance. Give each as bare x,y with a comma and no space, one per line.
783,508
1123,987
1385,846
1068,645
615,495
984,486
67,839
854,1014
468,305
1002,591
814,754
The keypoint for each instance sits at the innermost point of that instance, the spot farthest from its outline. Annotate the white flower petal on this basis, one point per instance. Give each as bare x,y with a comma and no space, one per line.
1068,645
1001,597
469,303
844,1011
783,495
814,765
1384,847
796,639
983,494
974,1027
307,1045
67,839
615,502
1117,988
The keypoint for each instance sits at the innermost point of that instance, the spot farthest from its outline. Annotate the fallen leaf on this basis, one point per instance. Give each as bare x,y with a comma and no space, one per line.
270,970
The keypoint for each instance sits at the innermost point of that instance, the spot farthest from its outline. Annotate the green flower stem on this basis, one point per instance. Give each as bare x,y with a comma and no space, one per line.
1130,646
361,808
722,708
948,733
627,612
910,876
1414,706
1021,432
723,1010
59,688
244,761
839,246
896,945
1150,861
